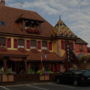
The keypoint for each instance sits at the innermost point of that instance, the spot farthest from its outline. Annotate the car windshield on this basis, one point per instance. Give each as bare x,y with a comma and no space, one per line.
81,71
77,71
87,73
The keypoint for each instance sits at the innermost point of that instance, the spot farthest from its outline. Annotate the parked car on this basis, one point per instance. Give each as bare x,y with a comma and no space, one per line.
75,77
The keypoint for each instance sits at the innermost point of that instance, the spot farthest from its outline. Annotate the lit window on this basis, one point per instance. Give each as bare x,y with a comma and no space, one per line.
20,43
33,44
2,42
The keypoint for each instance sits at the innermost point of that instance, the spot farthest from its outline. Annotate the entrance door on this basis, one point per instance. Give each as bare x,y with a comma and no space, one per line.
20,67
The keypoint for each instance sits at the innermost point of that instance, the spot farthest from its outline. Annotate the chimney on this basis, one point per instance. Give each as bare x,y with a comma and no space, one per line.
2,2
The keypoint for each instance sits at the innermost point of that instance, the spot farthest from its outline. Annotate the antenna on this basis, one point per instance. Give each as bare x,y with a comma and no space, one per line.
60,17
59,23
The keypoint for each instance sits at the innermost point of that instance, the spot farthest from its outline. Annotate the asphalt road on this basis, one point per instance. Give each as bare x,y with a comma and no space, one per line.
43,86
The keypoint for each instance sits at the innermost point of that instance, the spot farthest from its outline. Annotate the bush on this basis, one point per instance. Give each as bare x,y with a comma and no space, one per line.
30,71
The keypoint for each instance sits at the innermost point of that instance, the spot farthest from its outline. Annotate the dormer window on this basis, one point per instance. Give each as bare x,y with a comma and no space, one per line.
2,23
29,25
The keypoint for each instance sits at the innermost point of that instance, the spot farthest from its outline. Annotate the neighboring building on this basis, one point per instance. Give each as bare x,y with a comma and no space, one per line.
27,41
88,49
69,43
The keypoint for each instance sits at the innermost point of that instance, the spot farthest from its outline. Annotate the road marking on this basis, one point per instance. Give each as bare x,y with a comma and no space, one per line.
4,87
59,85
36,87
40,83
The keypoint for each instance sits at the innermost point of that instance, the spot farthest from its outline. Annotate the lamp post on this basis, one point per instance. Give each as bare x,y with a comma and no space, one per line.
67,62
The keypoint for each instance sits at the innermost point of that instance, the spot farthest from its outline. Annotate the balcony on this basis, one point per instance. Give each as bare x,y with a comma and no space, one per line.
32,31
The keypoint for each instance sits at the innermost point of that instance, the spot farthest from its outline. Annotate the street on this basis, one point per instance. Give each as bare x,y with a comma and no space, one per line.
43,86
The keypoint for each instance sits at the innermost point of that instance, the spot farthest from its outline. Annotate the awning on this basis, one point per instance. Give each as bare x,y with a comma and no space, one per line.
13,53
47,56
32,55
15,59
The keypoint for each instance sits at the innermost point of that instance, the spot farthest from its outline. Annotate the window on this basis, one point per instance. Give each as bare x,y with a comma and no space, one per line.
2,23
44,43
2,41
29,23
33,43
20,43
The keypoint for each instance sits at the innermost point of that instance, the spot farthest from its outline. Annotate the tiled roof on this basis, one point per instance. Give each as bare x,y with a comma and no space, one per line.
10,15
80,41
63,29
15,53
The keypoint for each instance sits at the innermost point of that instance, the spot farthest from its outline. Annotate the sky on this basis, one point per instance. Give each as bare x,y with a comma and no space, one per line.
75,13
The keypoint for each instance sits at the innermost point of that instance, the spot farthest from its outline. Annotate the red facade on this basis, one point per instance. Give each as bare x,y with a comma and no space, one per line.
79,48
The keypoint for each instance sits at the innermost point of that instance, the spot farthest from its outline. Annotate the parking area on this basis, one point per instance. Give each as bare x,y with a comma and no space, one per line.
42,86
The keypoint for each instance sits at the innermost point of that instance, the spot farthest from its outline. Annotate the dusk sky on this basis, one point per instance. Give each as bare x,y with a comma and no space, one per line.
75,13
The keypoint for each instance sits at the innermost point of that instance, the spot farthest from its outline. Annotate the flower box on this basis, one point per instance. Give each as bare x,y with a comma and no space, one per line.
44,77
7,78
4,78
21,49
10,77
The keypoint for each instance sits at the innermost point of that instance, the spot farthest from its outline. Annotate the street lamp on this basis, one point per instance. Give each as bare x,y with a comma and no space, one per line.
68,55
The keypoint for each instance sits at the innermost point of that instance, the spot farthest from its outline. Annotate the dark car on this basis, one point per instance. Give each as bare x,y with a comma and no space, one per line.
75,77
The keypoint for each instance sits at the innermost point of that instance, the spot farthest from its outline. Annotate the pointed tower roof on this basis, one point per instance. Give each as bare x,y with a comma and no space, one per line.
63,29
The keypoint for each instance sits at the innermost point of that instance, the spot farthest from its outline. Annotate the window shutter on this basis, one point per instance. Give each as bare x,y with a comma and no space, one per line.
39,45
8,43
63,44
15,43
50,45
28,44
